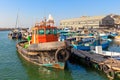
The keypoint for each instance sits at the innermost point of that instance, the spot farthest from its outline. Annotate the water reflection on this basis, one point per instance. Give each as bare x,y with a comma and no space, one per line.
72,72
83,72
42,73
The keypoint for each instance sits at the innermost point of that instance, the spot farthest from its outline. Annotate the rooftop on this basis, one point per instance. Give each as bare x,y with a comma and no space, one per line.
84,18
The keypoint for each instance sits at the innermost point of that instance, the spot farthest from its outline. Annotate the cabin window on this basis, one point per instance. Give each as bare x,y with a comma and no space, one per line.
55,31
49,31
41,31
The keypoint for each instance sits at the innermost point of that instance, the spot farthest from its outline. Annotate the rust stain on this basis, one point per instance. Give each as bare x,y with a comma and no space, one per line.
56,65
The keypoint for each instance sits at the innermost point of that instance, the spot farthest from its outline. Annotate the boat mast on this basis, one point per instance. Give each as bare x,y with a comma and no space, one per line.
16,25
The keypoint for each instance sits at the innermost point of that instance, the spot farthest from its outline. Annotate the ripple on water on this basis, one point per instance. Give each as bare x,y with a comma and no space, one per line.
10,66
79,72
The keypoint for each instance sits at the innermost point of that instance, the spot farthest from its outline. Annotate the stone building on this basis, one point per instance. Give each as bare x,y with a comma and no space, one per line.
116,20
88,22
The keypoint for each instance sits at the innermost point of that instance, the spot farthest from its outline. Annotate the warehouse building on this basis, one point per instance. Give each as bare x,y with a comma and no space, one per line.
89,22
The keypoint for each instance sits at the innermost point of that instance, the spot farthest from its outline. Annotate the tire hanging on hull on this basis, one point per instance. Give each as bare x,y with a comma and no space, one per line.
110,74
61,55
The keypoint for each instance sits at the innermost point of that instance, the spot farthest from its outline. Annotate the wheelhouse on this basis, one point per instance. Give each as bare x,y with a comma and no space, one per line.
44,33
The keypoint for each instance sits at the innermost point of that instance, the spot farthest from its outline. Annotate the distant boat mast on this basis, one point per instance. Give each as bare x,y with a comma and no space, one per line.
16,25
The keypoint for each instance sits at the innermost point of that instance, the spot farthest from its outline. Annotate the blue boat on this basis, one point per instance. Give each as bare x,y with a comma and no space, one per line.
88,46
65,34
109,35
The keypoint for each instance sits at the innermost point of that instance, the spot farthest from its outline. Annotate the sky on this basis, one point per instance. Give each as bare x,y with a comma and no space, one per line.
32,11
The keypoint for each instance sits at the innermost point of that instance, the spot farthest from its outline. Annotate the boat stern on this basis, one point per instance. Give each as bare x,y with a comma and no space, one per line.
58,65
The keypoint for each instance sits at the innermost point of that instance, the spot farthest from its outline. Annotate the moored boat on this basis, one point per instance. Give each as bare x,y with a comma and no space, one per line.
87,46
44,48
15,34
98,50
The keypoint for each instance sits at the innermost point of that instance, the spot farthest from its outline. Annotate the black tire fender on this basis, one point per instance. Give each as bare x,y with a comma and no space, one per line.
100,67
58,52
110,74
105,68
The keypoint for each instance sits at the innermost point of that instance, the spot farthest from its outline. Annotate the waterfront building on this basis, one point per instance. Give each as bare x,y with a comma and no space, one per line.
116,20
89,22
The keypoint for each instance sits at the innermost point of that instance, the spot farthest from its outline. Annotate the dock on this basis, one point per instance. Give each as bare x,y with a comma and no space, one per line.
106,64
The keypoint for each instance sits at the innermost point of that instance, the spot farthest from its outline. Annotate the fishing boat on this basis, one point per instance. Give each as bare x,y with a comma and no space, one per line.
17,32
87,46
64,35
115,55
44,49
112,54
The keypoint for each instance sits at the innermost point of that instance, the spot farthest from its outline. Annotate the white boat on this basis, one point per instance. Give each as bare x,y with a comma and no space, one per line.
102,34
110,53
115,55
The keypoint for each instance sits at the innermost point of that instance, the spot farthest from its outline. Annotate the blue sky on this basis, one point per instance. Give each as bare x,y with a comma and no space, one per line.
31,11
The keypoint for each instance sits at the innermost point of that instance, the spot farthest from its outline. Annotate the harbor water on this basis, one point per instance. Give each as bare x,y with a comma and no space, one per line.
14,67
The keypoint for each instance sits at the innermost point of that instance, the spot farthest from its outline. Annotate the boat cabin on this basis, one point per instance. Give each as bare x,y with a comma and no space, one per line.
44,32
